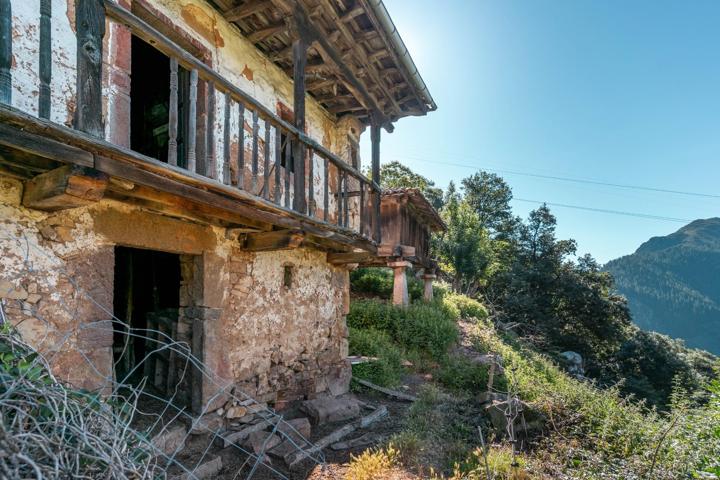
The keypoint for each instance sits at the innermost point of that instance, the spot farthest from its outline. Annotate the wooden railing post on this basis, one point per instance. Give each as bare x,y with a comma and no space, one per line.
90,25
300,46
5,51
375,140
45,64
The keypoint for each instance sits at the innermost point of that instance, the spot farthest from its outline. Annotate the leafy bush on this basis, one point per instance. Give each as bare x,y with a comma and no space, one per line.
426,328
387,369
466,306
420,327
458,373
378,282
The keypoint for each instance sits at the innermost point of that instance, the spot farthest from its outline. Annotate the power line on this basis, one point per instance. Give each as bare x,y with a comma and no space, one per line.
602,210
569,179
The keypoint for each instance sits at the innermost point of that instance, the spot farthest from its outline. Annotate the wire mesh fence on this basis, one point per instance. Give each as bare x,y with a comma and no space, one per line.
123,428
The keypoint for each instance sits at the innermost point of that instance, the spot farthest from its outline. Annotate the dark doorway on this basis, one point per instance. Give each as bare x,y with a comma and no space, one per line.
150,103
146,299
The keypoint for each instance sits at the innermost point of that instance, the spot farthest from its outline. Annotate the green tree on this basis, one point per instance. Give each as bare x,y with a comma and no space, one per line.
396,175
465,250
489,195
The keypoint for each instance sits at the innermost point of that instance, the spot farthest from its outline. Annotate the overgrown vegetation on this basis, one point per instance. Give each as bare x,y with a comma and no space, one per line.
646,407
551,297
48,430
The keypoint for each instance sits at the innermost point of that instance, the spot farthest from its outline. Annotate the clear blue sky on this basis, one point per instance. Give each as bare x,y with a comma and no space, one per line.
614,91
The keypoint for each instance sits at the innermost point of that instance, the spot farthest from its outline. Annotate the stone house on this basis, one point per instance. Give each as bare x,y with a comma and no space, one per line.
191,167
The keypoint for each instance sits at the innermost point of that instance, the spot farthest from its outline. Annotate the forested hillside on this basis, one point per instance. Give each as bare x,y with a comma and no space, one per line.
537,285
672,284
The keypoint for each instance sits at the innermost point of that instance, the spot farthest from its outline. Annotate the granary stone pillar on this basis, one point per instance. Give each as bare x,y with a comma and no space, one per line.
400,287
428,284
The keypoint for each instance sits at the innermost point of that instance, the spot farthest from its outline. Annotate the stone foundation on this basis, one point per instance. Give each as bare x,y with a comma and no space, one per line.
274,335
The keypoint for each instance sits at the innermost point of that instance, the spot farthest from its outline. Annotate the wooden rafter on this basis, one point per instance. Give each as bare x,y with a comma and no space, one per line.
246,9
264,33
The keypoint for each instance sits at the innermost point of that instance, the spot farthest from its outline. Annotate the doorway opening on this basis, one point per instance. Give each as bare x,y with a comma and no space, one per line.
147,302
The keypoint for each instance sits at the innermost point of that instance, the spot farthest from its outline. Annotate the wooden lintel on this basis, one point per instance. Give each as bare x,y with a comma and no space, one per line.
69,186
349,257
389,250
275,240
245,10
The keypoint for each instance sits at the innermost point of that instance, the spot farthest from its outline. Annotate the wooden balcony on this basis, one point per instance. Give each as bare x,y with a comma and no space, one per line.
252,191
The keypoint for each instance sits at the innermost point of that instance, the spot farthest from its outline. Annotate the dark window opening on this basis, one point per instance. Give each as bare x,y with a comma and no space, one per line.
287,276
146,300
285,143
354,152
150,103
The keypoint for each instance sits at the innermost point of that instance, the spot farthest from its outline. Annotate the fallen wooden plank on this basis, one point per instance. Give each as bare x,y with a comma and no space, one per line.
360,441
358,359
337,435
391,393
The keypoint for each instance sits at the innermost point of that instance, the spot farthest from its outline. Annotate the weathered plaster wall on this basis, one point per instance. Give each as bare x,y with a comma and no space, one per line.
26,42
276,342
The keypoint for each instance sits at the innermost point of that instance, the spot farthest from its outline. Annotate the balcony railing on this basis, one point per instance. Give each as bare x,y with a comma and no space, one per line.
337,196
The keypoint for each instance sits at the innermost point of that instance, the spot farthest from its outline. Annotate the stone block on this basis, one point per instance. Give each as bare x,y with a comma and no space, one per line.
261,441
12,291
296,429
206,470
332,409
170,440
208,423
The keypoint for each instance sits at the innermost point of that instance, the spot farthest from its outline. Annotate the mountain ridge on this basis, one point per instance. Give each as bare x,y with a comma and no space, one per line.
672,286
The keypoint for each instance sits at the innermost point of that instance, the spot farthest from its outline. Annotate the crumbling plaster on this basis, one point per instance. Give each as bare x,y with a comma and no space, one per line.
275,342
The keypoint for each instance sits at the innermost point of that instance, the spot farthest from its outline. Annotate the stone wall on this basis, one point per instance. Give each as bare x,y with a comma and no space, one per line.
276,339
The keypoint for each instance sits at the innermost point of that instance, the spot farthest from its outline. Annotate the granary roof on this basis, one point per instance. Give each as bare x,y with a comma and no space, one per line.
357,63
419,205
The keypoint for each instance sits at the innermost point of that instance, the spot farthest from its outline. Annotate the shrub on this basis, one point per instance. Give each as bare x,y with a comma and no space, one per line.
387,369
373,281
372,464
467,307
378,282
422,327
426,328
373,314
461,374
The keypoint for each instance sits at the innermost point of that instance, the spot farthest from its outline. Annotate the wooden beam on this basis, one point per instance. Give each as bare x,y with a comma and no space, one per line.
90,24
263,33
349,257
389,250
69,186
41,146
276,240
124,163
250,7
331,54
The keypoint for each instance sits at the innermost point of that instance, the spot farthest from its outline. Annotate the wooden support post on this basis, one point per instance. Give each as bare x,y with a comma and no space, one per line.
241,147
300,47
5,51
65,187
400,286
45,65
90,24
375,140
428,286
